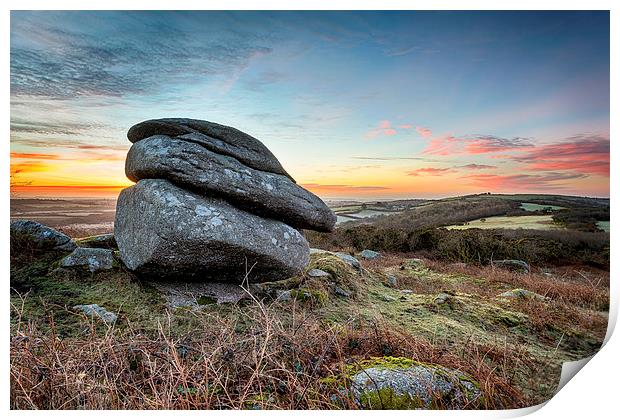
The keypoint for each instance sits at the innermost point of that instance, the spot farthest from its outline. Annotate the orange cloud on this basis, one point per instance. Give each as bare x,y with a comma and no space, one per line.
342,188
24,167
16,155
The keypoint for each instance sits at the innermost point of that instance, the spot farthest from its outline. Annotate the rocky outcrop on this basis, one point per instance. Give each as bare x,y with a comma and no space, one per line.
44,236
213,204
198,169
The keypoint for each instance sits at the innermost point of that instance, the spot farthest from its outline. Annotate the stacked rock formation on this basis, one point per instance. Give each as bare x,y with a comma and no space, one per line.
212,203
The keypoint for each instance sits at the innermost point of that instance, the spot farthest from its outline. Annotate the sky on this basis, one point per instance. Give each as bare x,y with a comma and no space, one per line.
355,105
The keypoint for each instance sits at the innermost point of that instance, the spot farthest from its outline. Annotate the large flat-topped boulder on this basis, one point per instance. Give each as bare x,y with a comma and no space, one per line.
164,231
194,167
215,137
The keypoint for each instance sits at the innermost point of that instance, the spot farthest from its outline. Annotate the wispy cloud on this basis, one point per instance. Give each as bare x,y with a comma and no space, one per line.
16,155
475,145
581,153
477,167
521,182
264,79
384,129
45,127
343,188
387,158
120,54
430,171
424,132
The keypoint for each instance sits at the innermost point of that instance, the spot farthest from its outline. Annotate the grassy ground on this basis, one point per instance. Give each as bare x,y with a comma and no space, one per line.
268,353
538,222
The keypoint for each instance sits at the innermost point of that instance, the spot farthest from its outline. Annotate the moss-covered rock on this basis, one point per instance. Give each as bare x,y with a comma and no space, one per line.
398,383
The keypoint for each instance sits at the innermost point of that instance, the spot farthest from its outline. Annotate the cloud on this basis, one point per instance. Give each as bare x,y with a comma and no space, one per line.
520,182
264,79
45,127
387,158
476,167
342,187
430,171
16,155
68,144
116,54
475,145
493,144
30,166
424,132
580,153
385,128
395,52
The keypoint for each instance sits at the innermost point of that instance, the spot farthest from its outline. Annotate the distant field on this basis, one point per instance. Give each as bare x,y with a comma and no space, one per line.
539,222
536,207
75,217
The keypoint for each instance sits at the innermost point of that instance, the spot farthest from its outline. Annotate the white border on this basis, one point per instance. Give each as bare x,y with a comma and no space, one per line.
592,395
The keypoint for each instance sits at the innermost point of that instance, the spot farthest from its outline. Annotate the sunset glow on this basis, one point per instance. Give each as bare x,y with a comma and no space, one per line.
359,105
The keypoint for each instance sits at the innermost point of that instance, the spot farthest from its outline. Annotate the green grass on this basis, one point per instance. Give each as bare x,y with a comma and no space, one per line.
603,225
537,222
537,207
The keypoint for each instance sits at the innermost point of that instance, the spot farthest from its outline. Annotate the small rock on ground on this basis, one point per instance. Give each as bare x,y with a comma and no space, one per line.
418,386
412,263
522,293
514,265
315,272
368,254
352,261
392,281
95,259
96,310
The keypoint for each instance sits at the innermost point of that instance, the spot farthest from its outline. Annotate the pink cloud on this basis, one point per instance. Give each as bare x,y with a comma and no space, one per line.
476,145
424,132
582,154
443,146
385,128
552,180
342,187
477,167
430,171
405,126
